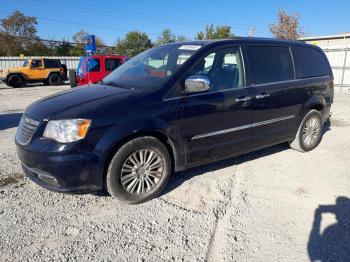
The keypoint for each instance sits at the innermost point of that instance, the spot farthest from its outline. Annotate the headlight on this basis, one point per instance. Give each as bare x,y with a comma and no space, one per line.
66,131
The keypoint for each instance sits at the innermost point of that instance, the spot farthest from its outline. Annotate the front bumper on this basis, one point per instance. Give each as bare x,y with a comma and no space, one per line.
62,170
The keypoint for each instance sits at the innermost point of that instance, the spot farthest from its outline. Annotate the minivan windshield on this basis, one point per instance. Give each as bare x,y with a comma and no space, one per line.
152,68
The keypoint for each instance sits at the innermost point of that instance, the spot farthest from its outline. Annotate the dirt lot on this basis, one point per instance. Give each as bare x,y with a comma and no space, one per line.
261,206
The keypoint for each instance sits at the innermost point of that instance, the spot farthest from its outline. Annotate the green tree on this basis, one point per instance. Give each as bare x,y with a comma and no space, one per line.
166,37
218,32
287,27
78,37
20,35
134,43
63,49
182,38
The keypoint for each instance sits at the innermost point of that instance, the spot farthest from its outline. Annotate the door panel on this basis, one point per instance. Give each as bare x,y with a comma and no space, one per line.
216,123
276,108
212,124
36,70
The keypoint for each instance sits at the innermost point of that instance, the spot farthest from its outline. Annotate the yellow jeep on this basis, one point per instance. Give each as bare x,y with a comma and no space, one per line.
48,71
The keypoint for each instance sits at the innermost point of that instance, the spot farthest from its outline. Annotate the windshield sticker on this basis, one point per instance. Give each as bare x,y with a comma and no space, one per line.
190,47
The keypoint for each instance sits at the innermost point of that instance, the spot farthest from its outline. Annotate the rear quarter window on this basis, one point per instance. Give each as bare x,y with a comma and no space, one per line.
52,63
270,64
309,62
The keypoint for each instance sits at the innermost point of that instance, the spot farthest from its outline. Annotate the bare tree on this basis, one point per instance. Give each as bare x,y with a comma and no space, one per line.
287,27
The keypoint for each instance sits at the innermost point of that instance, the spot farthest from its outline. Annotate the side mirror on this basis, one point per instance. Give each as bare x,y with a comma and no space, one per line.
197,83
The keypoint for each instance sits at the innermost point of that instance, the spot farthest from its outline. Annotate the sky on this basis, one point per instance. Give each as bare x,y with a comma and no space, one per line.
111,19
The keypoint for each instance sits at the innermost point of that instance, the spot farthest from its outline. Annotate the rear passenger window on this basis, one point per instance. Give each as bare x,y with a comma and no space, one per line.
111,64
270,64
52,63
309,62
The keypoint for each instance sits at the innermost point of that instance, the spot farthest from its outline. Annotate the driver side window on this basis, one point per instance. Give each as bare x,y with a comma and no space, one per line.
36,63
224,69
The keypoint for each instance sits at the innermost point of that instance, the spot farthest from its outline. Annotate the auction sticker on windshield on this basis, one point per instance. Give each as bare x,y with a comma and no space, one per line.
190,47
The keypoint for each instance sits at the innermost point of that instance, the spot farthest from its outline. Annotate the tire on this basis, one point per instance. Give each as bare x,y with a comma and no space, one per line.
15,81
160,163
64,70
311,127
55,79
72,78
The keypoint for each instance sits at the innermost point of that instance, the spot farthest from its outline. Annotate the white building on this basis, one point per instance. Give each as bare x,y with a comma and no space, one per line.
337,49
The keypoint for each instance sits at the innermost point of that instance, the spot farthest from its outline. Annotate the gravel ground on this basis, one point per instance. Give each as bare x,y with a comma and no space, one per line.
256,207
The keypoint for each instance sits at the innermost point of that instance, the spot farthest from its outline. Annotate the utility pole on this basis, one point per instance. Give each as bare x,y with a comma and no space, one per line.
251,31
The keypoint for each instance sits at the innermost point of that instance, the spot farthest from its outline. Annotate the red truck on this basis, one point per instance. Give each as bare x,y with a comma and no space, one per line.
92,69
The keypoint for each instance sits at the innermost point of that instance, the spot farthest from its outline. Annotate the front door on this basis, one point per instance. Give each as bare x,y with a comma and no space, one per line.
36,70
216,122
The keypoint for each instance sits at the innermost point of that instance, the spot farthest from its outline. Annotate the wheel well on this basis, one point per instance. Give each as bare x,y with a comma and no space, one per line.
318,107
161,137
18,74
53,73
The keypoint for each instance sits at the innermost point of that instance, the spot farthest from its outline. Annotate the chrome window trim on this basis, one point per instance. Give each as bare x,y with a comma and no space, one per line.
220,132
317,78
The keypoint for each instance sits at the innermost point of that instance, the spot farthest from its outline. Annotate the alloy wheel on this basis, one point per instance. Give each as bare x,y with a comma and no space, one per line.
311,131
141,171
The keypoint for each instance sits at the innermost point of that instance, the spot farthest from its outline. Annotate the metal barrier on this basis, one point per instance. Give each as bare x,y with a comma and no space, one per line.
339,59
14,61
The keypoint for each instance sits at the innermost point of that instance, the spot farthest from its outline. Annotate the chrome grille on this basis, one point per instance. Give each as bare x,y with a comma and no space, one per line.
25,130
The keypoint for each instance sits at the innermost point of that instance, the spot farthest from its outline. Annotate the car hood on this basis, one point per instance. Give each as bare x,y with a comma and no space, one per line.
81,102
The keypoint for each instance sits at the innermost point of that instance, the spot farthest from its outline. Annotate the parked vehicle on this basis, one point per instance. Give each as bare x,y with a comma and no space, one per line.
48,71
174,107
92,70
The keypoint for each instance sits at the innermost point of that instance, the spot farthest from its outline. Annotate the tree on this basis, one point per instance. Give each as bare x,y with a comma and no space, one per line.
182,38
19,33
218,32
166,37
78,38
287,27
134,43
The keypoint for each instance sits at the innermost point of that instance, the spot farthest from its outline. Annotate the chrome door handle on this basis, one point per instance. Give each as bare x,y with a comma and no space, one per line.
243,99
261,96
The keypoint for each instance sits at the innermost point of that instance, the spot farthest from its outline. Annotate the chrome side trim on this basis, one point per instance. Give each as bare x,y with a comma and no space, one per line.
220,132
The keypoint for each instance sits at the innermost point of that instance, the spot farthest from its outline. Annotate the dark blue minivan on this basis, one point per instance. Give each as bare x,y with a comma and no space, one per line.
174,107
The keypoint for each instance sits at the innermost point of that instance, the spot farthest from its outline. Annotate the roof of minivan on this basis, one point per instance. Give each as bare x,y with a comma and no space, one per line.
241,40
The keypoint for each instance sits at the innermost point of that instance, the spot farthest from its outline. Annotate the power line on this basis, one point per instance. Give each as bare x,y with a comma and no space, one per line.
148,16
103,11
52,41
74,23
251,31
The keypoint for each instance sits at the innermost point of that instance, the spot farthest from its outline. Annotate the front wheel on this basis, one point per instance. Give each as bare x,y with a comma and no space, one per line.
139,170
309,134
15,81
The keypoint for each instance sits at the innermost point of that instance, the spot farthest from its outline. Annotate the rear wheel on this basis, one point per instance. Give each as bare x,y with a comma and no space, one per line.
309,134
139,170
15,81
55,79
